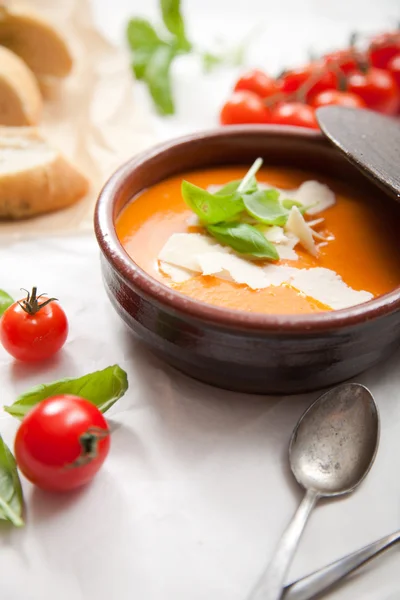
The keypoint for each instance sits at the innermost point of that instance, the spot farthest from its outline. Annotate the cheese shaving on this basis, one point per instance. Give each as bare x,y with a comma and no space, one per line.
240,270
275,234
327,287
298,226
177,274
181,249
191,253
313,195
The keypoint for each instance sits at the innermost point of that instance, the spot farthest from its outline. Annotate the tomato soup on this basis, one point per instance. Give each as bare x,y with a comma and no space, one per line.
359,242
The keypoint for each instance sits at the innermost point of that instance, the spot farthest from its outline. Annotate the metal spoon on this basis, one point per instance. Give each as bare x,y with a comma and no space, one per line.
324,579
331,451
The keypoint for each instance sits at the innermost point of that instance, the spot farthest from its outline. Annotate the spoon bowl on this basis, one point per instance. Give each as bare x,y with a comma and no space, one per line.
331,450
335,442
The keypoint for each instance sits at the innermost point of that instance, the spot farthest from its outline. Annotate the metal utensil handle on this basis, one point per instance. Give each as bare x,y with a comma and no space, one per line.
319,581
270,584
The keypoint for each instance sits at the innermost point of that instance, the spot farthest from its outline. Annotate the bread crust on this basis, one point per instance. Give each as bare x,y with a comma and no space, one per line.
41,188
35,41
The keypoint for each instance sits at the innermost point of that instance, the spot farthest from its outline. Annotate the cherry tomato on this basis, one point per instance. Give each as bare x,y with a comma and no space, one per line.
33,329
292,81
377,88
340,98
62,443
258,82
244,107
383,47
294,113
345,60
394,68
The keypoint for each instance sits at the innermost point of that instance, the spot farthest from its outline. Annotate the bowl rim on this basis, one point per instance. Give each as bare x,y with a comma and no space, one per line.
157,292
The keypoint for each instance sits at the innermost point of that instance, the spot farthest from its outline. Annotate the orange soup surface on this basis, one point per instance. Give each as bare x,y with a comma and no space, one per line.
363,247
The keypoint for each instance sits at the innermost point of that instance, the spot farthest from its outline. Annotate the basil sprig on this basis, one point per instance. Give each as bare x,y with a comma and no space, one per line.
11,499
227,212
153,55
101,388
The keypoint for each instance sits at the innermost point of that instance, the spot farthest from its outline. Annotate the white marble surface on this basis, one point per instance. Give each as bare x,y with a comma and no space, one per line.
196,490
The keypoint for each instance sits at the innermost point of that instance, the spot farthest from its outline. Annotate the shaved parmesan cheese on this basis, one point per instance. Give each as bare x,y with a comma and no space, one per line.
181,249
317,196
286,251
193,221
275,234
298,226
327,287
187,254
278,274
313,195
177,274
239,269
316,222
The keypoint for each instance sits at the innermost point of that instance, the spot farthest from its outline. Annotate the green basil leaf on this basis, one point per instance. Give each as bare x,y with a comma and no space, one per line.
288,204
5,301
11,499
172,17
141,34
158,79
211,208
101,388
140,61
232,186
210,61
244,239
264,206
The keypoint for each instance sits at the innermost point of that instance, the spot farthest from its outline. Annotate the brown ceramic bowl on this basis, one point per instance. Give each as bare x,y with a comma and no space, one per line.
233,349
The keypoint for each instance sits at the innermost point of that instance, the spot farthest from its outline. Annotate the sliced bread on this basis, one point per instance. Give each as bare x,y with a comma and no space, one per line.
34,177
36,41
20,97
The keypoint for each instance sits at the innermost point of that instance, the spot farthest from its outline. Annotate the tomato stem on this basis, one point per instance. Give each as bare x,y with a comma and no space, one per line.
89,442
31,303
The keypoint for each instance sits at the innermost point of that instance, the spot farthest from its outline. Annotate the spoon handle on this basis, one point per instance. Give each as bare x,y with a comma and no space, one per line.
320,581
270,584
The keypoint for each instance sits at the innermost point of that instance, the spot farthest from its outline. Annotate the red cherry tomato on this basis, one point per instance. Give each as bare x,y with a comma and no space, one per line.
377,88
345,60
33,329
292,81
294,113
383,47
244,107
330,97
62,443
258,82
394,68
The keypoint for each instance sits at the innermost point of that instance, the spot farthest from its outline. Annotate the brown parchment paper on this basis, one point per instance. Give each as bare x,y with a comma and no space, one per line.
91,116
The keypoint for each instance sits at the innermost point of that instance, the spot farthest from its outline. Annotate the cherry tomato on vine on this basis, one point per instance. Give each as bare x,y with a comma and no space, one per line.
394,68
315,74
330,97
382,48
62,443
377,88
244,107
258,82
294,113
345,60
33,329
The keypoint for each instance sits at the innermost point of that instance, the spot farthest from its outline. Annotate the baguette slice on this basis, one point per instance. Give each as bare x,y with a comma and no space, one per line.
36,41
20,98
34,177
